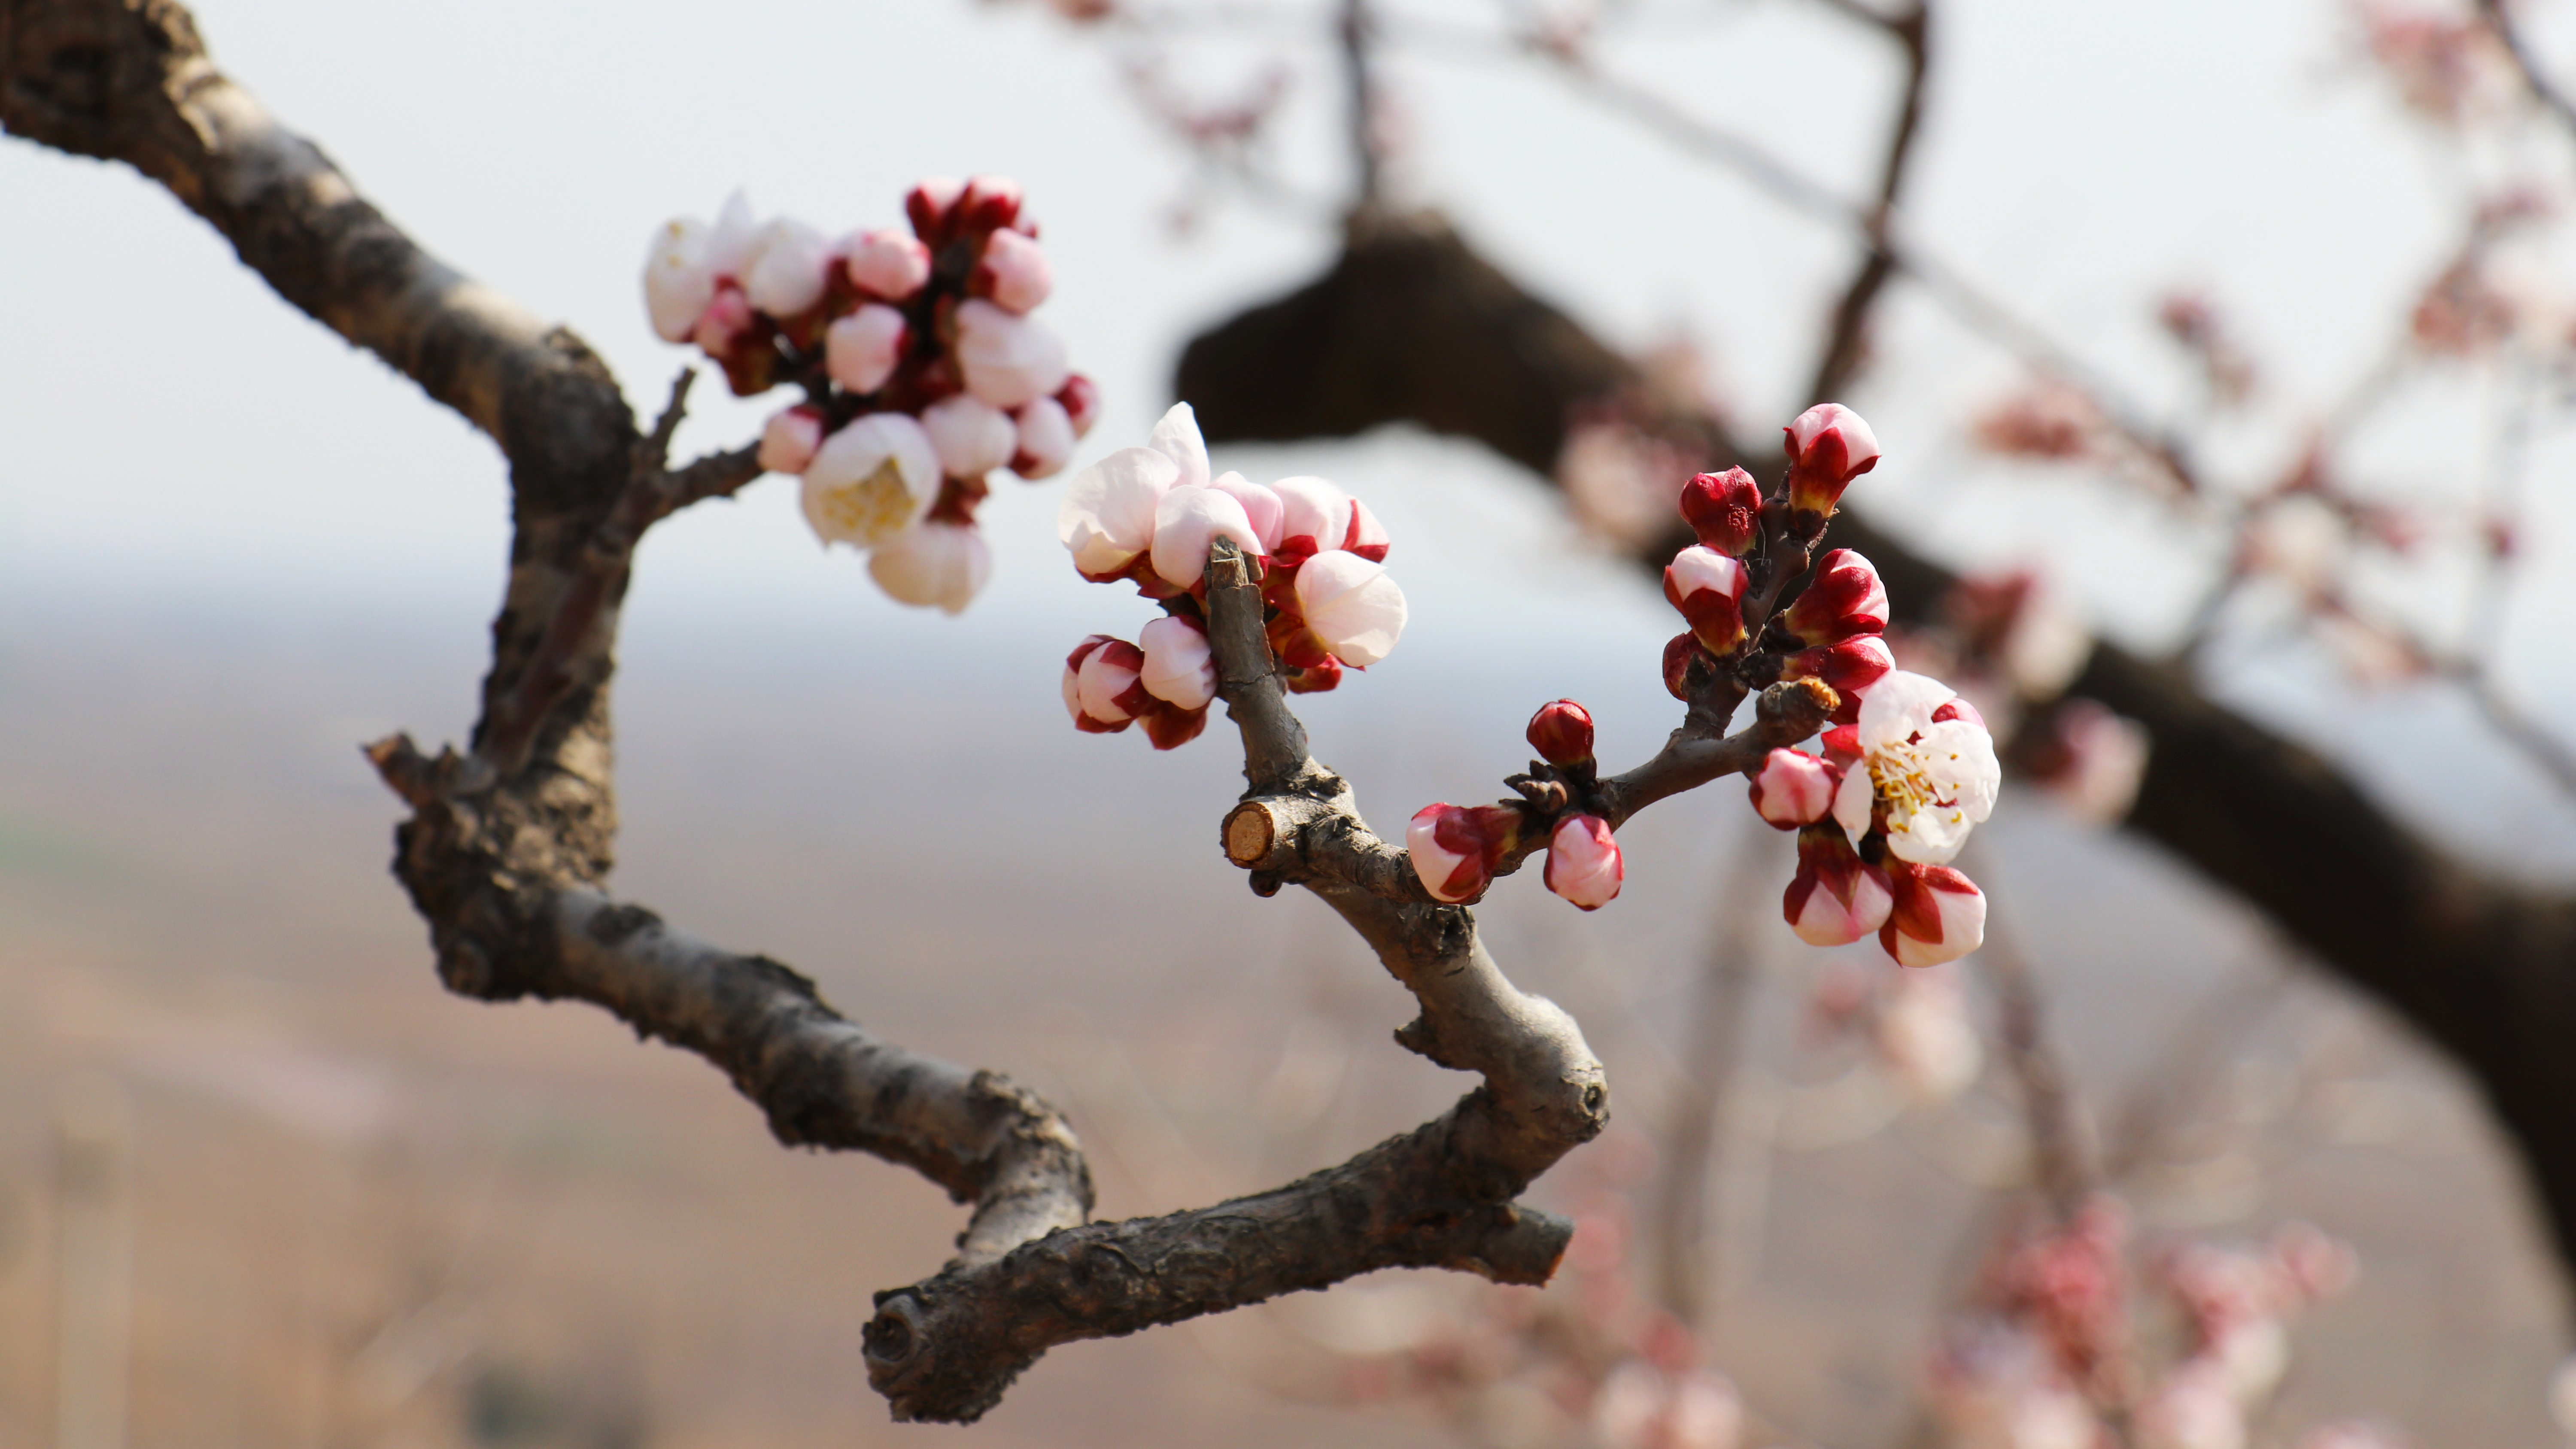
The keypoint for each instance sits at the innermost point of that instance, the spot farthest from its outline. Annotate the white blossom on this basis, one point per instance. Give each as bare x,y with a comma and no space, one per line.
1314,515
1176,436
886,263
1006,359
1930,764
1350,604
871,480
972,438
1187,523
940,565
1107,517
1261,506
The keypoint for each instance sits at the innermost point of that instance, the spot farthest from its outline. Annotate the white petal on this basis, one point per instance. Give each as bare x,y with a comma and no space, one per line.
934,564
861,350
1006,359
1107,516
1046,439
1176,437
972,438
1963,760
1260,505
1187,523
1315,509
1852,800
1699,568
1180,668
871,480
729,243
678,284
1899,706
1351,605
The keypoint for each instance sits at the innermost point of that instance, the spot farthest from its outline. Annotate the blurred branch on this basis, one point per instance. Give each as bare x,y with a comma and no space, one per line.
1847,332
2498,15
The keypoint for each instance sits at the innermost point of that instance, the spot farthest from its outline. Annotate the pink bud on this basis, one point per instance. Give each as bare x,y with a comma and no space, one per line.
1081,399
1046,439
1725,510
1583,862
1705,586
722,324
972,438
789,268
1013,272
788,442
933,565
861,350
1005,358
1793,788
1561,732
987,202
1938,914
928,204
1350,604
1842,598
886,264
1368,536
1107,690
1835,898
1828,447
1180,668
1851,667
1187,524
1448,848
1314,516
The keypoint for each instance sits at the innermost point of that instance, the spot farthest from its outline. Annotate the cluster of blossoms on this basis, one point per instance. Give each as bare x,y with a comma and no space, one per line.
2044,1354
921,368
1907,769
1151,515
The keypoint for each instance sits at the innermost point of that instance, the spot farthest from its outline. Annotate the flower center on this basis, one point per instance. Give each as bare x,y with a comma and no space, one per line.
873,508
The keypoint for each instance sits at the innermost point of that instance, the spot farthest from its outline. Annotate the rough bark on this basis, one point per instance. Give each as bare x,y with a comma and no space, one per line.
1410,325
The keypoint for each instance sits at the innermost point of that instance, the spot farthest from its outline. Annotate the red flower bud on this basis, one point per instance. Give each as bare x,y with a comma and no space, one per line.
1562,733
1706,585
1938,914
1680,652
1841,599
1828,447
1850,666
1724,509
1835,898
1081,399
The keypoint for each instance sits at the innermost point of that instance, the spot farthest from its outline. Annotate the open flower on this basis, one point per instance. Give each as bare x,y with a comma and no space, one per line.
1708,588
1828,447
1926,772
1351,605
871,480
678,283
1107,517
1583,862
942,565
1936,914
1187,523
1314,516
1835,898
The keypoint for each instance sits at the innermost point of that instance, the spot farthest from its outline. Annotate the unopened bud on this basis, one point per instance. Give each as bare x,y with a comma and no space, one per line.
1681,654
789,268
1102,687
1013,272
1315,516
933,565
1562,733
987,203
1793,788
1368,537
1725,510
1583,863
788,442
1350,603
1851,666
1828,447
1006,359
928,204
1842,598
1448,847
972,438
1706,586
1835,898
1938,914
886,264
1180,668
1046,439
860,351
1081,399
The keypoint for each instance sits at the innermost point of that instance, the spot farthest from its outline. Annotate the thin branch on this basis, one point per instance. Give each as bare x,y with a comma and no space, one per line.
1847,333
2499,18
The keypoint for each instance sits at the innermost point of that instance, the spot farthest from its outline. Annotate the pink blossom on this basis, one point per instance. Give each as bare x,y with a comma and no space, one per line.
972,438
1260,505
1368,536
1349,602
1176,436
1725,510
1828,447
1187,523
1045,439
1013,272
1792,788
1843,597
1561,733
1936,914
1706,586
871,480
1314,516
1835,898
1102,687
933,564
1179,668
1449,848
886,264
1107,517
788,440
1583,862
1006,359
788,269
860,351
727,317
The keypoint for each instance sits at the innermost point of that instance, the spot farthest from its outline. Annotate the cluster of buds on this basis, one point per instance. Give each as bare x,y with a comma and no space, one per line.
1151,515
921,368
1908,767
1457,848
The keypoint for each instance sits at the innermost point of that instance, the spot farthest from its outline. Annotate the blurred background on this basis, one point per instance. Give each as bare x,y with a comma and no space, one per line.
262,1182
